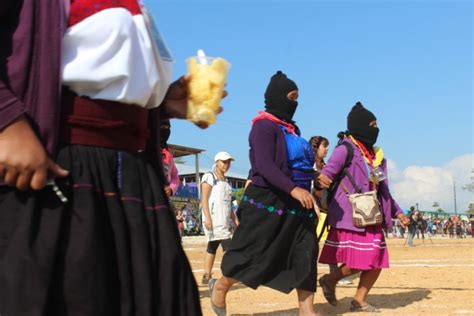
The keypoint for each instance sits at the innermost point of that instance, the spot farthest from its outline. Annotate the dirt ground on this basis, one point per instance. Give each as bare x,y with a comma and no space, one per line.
433,278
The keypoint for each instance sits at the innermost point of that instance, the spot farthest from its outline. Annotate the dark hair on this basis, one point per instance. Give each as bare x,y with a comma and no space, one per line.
316,141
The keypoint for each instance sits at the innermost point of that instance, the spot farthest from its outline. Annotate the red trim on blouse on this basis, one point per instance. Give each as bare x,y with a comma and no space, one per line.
82,9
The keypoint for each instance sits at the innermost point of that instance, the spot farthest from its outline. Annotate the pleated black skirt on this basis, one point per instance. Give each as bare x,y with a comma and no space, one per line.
113,249
275,243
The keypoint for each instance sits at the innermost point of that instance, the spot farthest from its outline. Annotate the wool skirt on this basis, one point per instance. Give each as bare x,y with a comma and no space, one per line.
357,250
274,244
112,249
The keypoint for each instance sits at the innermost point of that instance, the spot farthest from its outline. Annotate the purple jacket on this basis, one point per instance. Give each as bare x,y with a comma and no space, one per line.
268,157
30,64
340,210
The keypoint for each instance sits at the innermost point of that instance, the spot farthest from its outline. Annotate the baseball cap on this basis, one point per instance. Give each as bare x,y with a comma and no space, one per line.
223,156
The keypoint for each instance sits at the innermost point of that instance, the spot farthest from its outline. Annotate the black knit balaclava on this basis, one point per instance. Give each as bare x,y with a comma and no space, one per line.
358,126
276,100
165,132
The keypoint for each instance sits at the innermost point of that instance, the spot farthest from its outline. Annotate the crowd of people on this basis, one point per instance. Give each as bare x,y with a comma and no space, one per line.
188,223
452,226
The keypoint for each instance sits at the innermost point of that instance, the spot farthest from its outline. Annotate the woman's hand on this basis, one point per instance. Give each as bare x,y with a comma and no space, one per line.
208,224
324,181
303,196
176,101
24,163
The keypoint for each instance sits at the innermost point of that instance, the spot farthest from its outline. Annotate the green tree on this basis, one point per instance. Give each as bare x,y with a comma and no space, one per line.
470,211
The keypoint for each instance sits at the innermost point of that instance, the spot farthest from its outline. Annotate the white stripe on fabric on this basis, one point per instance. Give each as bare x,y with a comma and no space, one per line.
354,242
352,247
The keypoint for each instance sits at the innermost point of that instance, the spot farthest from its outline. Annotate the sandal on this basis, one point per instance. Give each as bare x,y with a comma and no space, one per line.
356,307
220,311
328,293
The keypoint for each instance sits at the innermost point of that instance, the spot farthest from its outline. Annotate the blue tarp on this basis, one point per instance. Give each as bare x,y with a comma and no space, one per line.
187,192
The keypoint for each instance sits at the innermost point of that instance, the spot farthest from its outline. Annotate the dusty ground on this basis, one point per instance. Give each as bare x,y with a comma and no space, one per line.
434,278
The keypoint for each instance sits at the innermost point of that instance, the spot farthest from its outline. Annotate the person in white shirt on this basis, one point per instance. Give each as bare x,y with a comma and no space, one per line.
216,210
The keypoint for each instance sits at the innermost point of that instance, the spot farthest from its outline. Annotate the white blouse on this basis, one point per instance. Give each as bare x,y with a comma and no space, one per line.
112,55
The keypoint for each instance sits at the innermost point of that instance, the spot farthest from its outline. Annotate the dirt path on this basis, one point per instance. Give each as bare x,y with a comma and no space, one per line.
434,278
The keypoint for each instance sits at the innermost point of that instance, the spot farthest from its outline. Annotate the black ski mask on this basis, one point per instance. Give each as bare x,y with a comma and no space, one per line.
276,100
165,132
358,126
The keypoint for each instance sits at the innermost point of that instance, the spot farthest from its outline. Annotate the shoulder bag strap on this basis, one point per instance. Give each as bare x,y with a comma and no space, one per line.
354,184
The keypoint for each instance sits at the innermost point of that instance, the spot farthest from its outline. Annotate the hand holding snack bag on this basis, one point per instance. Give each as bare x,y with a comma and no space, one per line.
208,76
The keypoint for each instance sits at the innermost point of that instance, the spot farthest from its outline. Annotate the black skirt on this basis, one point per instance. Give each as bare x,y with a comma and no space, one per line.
275,243
113,249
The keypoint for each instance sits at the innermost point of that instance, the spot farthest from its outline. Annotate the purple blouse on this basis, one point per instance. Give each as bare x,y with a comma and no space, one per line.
269,166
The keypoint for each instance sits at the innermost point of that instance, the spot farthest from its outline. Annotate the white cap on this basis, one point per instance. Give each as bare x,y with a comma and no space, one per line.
223,156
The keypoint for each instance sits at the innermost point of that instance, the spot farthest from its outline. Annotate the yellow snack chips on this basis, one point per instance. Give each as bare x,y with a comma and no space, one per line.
207,82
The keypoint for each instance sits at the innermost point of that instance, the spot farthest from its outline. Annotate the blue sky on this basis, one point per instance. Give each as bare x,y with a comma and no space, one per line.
409,62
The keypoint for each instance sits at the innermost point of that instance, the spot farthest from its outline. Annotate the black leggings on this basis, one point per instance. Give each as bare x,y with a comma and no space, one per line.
214,244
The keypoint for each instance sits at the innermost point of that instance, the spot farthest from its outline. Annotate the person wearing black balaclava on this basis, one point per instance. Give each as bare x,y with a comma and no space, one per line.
368,172
276,97
281,253
165,132
169,168
360,123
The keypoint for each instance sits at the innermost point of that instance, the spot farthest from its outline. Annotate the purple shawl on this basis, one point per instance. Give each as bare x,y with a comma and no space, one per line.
30,65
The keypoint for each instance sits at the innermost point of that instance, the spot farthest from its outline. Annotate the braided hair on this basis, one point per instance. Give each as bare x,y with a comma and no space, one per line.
315,142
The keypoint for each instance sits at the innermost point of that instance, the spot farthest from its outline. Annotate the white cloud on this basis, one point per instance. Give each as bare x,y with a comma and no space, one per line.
427,184
393,172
